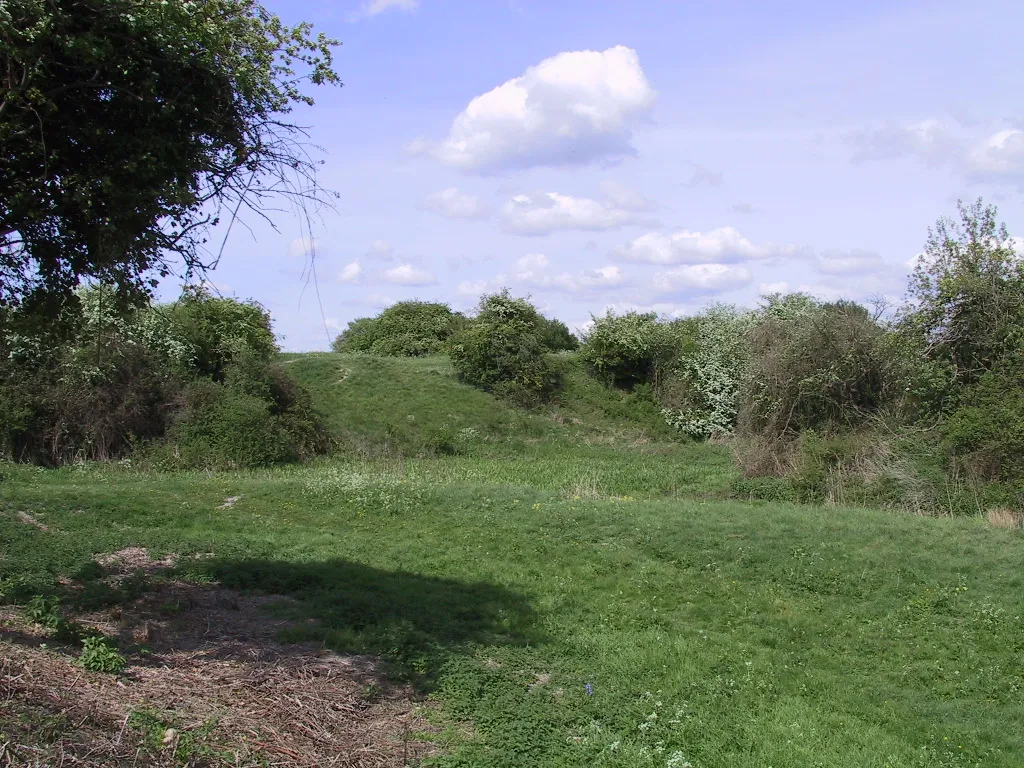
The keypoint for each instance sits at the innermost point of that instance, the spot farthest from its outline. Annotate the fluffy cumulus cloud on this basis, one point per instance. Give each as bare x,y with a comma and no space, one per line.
682,246
849,262
454,204
536,272
998,155
407,274
547,212
702,279
572,109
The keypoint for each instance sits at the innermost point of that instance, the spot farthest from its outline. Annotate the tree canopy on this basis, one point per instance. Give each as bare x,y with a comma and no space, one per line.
129,127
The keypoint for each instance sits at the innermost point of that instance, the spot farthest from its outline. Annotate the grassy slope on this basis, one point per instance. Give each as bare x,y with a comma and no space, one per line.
551,557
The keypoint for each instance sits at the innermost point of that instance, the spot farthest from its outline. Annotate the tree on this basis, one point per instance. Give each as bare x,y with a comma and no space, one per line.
128,128
502,350
966,296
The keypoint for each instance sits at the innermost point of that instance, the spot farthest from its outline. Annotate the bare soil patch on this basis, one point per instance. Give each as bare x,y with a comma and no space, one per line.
207,685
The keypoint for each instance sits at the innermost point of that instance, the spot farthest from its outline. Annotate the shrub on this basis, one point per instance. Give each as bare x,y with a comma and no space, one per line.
711,367
502,351
986,433
821,368
556,336
357,337
118,377
626,350
405,329
248,421
216,331
966,300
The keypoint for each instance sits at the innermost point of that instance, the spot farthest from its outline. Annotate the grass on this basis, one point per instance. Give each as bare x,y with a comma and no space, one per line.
581,594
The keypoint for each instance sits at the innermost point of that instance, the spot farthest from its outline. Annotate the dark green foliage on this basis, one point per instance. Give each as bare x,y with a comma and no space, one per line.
966,308
357,337
405,329
502,351
628,349
986,433
258,417
556,336
216,331
126,126
117,379
100,655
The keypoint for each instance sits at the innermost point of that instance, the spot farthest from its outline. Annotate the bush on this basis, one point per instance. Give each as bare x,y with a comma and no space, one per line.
556,336
258,417
502,351
116,377
965,312
405,329
821,368
217,331
986,434
626,350
714,354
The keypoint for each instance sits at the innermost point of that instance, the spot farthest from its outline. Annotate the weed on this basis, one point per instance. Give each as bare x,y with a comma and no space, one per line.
99,655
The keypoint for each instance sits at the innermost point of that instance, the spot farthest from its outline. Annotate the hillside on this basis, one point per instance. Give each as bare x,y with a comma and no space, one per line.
570,586
411,405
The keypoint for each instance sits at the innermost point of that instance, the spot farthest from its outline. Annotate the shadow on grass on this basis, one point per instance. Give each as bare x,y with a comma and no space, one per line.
414,622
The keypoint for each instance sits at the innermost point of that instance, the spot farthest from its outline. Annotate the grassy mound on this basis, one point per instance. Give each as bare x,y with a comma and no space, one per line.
416,406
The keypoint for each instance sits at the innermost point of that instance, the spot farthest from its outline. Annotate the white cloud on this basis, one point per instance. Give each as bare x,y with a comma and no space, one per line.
849,262
380,250
453,204
930,139
472,287
373,7
535,272
350,273
766,289
725,244
571,109
407,274
701,278
547,212
998,155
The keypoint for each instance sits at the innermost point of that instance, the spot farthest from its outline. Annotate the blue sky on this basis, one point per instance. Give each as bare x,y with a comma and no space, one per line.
648,155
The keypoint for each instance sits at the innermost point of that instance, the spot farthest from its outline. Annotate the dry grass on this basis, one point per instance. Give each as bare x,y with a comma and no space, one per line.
213,689
1004,517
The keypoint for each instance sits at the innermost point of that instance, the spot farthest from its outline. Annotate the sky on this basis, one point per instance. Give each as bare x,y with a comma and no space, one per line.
601,155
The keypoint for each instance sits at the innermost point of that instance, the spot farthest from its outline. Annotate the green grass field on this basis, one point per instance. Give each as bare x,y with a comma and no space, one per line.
572,588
